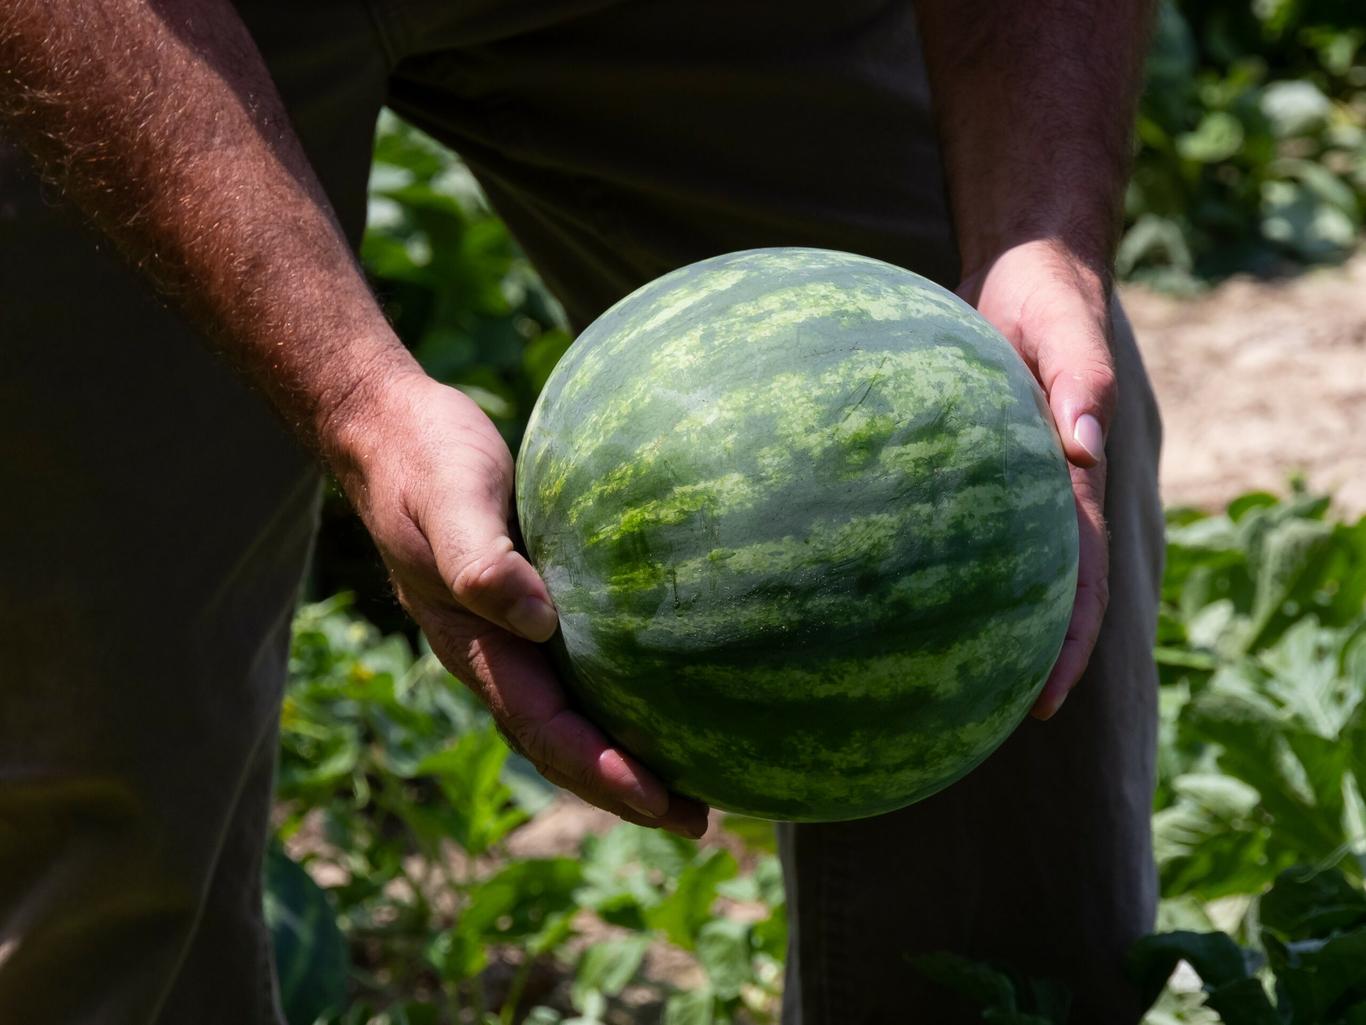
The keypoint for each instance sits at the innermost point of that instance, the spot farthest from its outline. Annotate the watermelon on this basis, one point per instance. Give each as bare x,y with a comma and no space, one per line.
809,529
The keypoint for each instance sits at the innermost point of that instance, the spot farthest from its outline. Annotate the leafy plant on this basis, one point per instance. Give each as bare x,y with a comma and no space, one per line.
1005,996
1262,651
1251,140
392,783
396,789
1313,944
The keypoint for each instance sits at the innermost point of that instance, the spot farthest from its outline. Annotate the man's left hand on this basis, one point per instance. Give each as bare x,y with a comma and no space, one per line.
1054,309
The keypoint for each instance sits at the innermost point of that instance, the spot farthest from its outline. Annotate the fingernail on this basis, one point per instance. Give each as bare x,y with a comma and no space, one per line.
636,796
637,803
692,831
1087,434
533,619
1051,709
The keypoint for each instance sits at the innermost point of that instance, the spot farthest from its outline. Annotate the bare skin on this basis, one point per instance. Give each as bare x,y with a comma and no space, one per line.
159,120
1036,106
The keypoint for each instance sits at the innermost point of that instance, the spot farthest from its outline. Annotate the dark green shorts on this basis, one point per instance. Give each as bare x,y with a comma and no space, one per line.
156,520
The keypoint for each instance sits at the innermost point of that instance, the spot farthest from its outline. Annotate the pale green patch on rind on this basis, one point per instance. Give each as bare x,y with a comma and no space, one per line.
856,405
729,493
681,300
822,548
704,366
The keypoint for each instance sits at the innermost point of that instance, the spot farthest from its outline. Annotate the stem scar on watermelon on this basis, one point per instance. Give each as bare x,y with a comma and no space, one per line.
809,530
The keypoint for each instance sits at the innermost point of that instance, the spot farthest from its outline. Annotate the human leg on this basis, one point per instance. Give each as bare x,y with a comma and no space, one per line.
156,524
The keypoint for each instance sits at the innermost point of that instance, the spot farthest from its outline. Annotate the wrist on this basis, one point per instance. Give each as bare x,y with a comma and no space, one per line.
1086,271
1076,245
370,394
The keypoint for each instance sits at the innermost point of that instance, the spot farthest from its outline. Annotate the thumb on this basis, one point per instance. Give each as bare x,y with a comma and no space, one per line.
1079,378
484,571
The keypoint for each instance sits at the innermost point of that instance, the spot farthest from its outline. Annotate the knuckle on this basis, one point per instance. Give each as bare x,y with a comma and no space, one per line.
1101,383
510,737
1106,387
457,644
1099,591
482,575
525,735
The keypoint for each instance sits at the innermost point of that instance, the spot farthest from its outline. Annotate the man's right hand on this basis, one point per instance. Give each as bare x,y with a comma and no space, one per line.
432,480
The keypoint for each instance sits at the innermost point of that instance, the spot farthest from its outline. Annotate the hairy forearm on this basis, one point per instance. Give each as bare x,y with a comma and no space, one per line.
159,120
1035,103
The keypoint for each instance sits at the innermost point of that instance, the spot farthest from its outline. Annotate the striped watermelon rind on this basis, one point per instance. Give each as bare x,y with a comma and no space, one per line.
809,530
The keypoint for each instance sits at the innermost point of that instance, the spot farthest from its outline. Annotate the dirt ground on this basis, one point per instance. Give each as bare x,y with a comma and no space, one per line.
1258,381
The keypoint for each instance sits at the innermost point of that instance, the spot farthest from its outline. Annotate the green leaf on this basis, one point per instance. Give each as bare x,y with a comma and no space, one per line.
531,899
1289,555
1298,775
1311,227
469,774
1153,240
758,835
1245,503
607,967
1320,977
1210,842
555,930
695,1007
998,1017
725,952
1218,137
542,354
1243,1002
1304,904
681,915
1295,107
627,872
1214,956
979,982
770,934
310,954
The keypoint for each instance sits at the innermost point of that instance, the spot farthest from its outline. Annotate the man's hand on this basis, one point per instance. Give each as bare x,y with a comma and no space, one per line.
1055,311
1035,105
161,122
432,479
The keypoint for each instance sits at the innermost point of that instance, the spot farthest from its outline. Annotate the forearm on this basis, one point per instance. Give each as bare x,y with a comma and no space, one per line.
1035,103
160,121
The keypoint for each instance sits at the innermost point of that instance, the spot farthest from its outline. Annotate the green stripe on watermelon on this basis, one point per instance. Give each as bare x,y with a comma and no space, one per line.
808,527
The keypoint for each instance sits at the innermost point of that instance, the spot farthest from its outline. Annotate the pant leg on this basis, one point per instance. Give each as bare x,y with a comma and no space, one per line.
1041,858
622,140
155,527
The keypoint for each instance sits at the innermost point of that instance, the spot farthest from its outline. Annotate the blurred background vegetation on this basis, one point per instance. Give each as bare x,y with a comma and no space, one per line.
398,797
1252,140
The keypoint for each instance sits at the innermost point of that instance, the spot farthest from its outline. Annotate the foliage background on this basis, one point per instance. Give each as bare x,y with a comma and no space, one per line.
396,793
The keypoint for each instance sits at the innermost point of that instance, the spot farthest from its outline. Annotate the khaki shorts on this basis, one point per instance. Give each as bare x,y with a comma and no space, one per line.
156,520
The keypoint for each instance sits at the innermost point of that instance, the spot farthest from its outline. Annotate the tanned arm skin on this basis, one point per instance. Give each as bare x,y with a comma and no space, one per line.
1035,103
158,119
